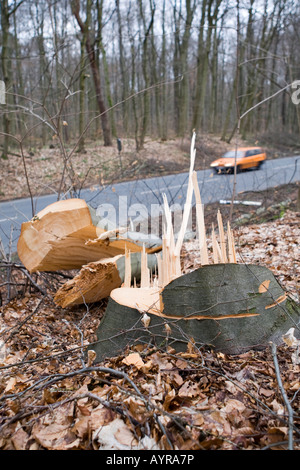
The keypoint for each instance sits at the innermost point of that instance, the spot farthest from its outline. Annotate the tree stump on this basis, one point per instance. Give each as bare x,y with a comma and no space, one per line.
230,307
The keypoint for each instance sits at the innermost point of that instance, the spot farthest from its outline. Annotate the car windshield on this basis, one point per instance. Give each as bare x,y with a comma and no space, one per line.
231,154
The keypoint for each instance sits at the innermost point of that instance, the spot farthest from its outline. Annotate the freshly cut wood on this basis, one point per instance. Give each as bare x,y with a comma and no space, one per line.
63,236
144,299
96,280
220,305
200,222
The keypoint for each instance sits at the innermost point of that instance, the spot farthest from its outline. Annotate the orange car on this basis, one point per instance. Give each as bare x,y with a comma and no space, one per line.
246,157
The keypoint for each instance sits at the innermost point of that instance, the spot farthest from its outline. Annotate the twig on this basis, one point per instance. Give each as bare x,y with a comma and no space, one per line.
24,271
284,396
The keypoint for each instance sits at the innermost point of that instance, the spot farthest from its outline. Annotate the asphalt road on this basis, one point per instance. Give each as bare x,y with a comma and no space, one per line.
144,197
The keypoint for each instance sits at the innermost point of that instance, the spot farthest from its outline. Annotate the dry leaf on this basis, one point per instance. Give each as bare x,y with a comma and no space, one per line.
198,419
20,439
290,339
99,417
277,407
116,435
134,359
169,398
168,329
265,392
10,385
232,404
91,357
55,436
230,387
188,389
146,320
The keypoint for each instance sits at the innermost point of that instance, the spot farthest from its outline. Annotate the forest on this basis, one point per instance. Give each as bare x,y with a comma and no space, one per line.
89,69
187,343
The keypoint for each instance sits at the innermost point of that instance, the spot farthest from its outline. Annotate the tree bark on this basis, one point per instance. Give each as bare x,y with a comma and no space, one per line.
180,66
90,49
230,307
145,60
82,77
6,71
124,75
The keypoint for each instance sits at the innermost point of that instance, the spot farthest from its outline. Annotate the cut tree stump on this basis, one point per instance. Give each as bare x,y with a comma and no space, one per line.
96,280
232,308
64,236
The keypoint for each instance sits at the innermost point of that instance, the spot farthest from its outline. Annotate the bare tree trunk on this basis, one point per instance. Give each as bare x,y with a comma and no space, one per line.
164,125
90,49
18,81
6,11
6,73
180,66
101,50
146,101
124,78
204,49
82,94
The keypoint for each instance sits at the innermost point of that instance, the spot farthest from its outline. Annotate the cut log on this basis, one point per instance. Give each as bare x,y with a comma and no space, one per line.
220,305
63,236
96,280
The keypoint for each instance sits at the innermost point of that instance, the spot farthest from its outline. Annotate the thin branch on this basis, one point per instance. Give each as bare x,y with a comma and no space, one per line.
284,396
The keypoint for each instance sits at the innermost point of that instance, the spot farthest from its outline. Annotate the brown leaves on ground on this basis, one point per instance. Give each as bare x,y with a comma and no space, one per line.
272,244
54,396
144,399
276,245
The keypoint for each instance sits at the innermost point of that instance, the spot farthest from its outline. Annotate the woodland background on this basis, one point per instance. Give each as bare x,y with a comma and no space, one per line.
90,69
79,75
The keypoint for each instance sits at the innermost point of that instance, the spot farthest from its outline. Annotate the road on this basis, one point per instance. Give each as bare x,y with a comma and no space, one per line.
129,199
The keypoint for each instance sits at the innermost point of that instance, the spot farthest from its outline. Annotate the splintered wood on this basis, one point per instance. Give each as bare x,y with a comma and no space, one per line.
168,260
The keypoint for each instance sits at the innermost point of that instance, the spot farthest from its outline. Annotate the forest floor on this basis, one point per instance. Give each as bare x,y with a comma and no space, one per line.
52,397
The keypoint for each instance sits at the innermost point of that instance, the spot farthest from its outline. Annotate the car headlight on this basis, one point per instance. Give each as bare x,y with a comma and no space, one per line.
228,164
214,164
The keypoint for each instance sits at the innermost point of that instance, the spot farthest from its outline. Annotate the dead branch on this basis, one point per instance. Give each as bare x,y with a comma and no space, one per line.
284,396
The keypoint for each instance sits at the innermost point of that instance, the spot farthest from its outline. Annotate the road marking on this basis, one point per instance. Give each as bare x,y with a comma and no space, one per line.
283,167
10,218
177,186
164,188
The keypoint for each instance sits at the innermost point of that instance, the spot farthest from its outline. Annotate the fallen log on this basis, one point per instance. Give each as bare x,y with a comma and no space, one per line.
64,236
226,306
96,280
